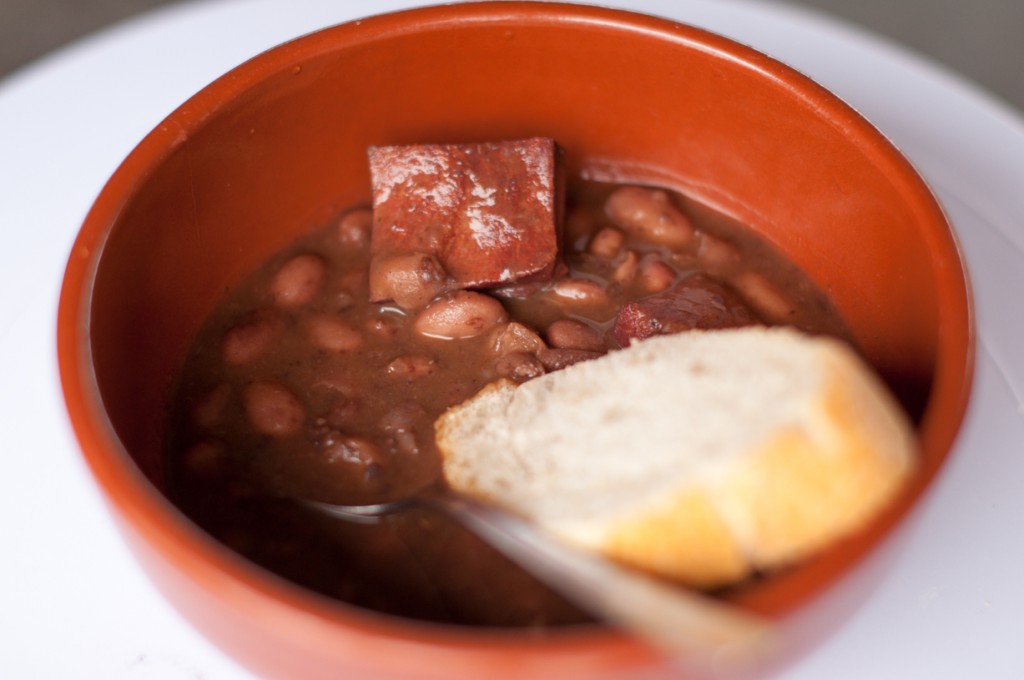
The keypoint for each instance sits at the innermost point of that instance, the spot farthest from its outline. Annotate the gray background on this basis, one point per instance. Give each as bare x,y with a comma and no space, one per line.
980,39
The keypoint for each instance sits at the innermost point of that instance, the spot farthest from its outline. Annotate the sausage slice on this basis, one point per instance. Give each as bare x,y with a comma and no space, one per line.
488,212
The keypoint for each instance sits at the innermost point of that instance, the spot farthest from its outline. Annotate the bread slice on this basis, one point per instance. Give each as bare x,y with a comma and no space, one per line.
701,456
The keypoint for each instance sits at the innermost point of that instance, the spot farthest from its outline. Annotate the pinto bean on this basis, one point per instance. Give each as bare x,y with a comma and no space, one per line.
359,453
716,253
410,279
519,366
298,281
404,442
655,275
625,271
272,409
354,228
607,243
572,334
580,291
650,214
333,333
251,339
764,296
343,299
462,314
514,337
412,366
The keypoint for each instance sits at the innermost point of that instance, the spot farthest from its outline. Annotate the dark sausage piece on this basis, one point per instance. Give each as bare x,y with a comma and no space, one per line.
695,302
487,212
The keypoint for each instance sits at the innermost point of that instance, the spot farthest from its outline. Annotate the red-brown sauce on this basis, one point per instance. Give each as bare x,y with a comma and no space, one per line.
297,386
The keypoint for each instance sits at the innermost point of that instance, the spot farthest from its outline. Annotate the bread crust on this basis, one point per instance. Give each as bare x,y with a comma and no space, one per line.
817,477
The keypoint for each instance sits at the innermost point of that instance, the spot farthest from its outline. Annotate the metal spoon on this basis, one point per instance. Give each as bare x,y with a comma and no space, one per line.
697,629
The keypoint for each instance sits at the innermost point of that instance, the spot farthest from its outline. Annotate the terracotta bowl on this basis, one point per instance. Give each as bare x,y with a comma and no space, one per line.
278,146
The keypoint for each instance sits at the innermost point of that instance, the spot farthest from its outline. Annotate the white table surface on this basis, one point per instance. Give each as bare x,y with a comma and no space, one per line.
73,603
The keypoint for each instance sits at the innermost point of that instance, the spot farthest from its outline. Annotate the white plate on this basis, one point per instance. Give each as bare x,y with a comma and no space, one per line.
74,604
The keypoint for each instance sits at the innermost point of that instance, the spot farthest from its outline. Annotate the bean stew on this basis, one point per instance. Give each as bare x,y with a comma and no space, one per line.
321,375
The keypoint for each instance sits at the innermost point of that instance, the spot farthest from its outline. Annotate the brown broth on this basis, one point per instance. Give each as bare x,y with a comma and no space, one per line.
231,479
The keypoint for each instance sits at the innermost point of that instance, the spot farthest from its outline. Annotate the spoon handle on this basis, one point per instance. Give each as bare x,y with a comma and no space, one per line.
696,629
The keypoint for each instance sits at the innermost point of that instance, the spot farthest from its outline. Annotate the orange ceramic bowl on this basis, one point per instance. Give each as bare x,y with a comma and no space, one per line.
278,146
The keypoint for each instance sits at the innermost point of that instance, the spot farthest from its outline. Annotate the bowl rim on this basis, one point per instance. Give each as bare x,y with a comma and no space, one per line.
145,512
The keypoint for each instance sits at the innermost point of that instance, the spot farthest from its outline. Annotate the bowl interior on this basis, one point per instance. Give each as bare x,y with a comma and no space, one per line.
278,147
